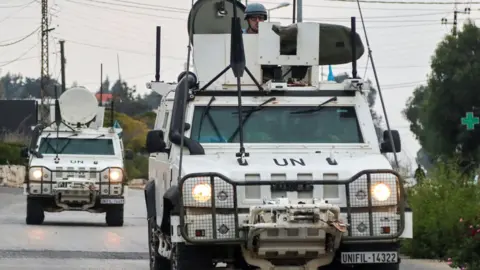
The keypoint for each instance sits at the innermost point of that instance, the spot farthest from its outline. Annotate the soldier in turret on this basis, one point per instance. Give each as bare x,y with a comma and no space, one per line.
254,13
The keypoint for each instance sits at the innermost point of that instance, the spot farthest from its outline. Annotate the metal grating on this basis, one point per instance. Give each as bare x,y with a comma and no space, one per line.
211,214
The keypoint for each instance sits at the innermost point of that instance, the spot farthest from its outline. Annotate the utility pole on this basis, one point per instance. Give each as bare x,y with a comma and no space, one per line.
100,103
44,75
62,59
455,19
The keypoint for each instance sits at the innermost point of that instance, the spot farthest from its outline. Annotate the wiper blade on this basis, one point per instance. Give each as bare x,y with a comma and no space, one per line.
39,155
316,109
249,113
206,112
66,144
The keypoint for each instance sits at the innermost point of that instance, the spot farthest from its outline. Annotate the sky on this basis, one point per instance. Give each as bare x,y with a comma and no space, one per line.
120,34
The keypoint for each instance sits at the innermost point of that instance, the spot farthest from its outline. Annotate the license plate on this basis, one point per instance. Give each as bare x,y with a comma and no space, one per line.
291,187
62,184
369,257
112,201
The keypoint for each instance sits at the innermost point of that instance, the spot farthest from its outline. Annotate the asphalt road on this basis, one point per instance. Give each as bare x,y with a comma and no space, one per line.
77,240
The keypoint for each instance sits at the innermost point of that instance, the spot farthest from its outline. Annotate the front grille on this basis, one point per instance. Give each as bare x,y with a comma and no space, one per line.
298,192
63,173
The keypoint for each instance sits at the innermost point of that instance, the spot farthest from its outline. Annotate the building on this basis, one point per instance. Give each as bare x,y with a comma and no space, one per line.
105,97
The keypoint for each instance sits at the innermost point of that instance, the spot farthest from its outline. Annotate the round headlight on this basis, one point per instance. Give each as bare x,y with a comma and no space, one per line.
37,174
381,192
115,175
202,192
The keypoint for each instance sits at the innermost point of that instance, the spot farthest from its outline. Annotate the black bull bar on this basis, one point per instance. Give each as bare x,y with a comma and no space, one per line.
217,181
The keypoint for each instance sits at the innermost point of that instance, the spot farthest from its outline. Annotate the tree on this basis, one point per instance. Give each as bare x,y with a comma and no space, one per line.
435,109
371,98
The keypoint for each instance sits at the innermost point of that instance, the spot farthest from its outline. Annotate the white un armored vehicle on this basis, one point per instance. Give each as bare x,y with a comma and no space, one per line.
309,188
76,164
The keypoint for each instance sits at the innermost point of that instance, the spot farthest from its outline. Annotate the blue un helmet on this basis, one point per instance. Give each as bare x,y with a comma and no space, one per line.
255,9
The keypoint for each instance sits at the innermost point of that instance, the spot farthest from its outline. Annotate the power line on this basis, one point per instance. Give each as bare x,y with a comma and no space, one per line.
179,10
26,58
147,7
405,2
119,50
355,8
16,11
20,57
15,6
20,40
125,11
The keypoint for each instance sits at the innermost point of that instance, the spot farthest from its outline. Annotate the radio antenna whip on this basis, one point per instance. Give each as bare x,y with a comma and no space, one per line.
378,86
187,71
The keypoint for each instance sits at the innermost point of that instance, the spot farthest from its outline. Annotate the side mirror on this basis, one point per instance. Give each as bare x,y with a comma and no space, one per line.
128,154
187,126
24,152
155,142
386,145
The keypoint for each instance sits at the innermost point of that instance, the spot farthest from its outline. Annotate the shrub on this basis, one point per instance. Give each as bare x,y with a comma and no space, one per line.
438,203
137,168
134,131
10,145
10,154
467,256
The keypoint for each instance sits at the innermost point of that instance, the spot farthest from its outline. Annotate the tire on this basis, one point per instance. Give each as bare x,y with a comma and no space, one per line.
186,257
157,262
35,213
114,216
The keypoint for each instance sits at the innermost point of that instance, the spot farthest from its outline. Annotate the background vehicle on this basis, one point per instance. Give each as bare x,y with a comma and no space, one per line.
76,164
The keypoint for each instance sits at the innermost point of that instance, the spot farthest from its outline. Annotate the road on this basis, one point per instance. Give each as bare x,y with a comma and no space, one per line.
77,240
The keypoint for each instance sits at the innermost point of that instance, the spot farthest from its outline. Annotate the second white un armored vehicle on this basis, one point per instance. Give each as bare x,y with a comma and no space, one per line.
75,163
309,187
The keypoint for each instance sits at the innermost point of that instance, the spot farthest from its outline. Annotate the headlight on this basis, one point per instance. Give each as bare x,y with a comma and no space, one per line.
381,192
36,174
115,175
202,192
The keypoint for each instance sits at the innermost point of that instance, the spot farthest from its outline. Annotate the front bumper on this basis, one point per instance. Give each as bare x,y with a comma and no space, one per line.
205,222
78,189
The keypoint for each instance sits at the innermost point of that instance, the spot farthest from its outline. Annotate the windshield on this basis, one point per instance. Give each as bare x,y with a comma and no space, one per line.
76,146
277,125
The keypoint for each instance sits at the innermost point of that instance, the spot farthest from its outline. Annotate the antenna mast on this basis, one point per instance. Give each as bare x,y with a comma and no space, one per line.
62,59
44,61
377,82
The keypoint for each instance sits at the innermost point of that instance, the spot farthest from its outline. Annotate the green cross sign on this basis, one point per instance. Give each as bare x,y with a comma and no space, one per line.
470,121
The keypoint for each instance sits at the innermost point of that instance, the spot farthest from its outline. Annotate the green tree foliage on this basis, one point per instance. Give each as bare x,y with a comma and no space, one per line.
445,197
435,109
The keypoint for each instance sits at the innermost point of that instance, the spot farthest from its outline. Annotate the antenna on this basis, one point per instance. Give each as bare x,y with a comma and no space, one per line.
237,63
378,86
158,53
118,68
62,64
353,35
58,119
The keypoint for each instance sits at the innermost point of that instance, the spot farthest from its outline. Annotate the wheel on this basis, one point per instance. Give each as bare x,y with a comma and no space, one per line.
185,257
35,213
157,262
114,216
